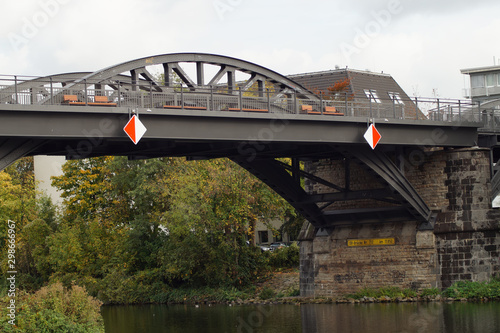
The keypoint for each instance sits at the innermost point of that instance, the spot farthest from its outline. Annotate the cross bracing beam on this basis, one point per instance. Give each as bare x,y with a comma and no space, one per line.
383,167
276,176
315,207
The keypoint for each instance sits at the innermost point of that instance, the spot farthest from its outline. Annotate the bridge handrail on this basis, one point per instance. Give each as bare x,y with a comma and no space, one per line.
147,94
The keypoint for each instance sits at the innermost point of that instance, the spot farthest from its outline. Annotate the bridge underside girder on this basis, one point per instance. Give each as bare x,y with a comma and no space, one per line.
12,149
398,199
253,142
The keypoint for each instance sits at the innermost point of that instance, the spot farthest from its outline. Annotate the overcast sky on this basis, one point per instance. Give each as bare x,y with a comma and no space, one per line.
422,44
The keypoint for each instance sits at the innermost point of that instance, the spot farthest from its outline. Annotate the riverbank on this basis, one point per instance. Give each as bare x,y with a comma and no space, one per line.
282,287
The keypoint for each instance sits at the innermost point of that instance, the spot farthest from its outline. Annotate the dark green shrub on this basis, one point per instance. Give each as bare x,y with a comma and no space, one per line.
57,309
473,290
286,257
430,292
267,293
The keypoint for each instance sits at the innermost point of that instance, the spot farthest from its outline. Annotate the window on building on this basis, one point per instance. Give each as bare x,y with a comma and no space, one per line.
395,98
278,238
491,80
372,95
477,81
263,237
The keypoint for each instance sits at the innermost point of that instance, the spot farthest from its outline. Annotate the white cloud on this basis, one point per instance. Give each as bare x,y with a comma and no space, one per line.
425,44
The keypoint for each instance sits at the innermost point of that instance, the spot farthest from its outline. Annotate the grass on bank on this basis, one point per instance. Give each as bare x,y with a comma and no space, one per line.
459,290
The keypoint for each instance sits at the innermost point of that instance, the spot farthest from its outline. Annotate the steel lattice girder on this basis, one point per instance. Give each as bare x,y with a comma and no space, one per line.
272,173
228,66
406,203
382,166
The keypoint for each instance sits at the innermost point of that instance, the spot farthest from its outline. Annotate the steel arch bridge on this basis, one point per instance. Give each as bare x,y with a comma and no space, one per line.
210,106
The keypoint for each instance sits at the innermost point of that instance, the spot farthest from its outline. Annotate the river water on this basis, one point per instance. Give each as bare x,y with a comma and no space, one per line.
306,318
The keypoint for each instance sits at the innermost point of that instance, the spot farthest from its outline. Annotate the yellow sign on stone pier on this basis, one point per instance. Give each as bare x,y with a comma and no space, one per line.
371,242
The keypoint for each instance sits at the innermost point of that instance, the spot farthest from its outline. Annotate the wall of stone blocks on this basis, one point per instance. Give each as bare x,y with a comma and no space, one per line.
339,269
468,229
463,246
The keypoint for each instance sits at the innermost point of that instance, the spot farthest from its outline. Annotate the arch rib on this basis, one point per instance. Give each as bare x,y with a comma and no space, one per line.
228,65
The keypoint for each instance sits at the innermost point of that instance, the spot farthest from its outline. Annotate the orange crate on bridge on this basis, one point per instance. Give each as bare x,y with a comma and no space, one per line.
102,101
187,107
72,100
248,110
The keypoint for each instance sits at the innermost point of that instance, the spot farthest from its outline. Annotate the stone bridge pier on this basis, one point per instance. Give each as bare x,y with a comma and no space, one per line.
463,243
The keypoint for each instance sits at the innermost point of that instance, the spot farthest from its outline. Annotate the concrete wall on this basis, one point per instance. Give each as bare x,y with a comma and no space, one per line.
464,245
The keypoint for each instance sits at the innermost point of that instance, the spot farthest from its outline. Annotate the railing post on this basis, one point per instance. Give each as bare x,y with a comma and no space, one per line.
151,93
439,110
321,102
211,98
416,108
346,104
15,89
51,92
240,99
119,95
182,97
295,106
85,92
480,114
394,106
371,112
268,100
459,111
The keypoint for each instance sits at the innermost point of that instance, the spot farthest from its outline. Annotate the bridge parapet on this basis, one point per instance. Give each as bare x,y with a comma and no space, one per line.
144,94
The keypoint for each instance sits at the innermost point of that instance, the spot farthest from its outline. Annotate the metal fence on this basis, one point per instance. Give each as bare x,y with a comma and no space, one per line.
144,94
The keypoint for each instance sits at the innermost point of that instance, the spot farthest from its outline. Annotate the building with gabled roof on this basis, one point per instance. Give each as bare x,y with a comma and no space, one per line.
378,89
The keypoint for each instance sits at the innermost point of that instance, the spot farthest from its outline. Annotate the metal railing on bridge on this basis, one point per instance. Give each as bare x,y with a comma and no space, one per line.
148,94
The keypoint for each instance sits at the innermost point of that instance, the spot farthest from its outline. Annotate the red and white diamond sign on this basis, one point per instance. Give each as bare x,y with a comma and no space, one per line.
135,129
372,136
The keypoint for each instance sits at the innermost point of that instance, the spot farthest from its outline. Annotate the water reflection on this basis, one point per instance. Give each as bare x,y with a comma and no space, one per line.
308,318
403,317
188,318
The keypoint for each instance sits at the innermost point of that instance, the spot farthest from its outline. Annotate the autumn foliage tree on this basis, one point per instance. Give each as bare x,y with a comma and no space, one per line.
160,220
337,91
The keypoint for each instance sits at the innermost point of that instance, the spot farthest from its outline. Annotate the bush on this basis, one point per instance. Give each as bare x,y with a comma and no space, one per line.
57,309
286,257
430,292
267,293
474,290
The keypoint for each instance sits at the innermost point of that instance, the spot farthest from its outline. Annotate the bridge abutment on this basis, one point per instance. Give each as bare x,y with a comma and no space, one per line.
464,244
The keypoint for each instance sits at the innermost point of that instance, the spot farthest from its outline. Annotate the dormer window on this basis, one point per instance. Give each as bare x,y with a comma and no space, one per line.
395,98
372,95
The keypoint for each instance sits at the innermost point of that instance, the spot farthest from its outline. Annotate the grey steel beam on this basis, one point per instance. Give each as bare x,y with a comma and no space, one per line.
183,75
13,149
336,218
244,127
200,74
213,59
376,194
385,168
167,74
275,176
